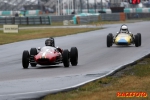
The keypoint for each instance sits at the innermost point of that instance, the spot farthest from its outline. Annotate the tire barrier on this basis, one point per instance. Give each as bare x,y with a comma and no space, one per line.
85,18
137,10
26,13
137,15
32,20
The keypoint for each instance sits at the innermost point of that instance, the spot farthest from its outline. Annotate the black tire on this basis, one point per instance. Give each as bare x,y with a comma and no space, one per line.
25,59
140,38
111,34
109,40
33,52
74,56
66,58
136,40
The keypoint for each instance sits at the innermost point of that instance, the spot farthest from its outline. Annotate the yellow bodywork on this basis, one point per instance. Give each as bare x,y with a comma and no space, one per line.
123,38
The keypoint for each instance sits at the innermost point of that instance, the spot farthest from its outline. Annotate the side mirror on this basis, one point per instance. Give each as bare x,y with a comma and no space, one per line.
59,49
117,32
39,48
130,32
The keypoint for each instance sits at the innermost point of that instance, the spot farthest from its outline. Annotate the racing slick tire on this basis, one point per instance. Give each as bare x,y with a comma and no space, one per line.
74,56
140,39
25,59
66,58
136,40
33,52
109,40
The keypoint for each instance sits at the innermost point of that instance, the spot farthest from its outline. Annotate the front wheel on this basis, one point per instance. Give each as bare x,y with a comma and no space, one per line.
25,59
33,52
74,56
109,40
66,60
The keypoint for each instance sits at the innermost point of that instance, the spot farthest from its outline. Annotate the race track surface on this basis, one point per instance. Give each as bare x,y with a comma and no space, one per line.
95,60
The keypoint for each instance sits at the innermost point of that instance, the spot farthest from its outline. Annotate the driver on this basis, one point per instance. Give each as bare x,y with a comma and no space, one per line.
49,42
124,29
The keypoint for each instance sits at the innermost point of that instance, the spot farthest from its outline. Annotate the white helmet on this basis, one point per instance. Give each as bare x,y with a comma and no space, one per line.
124,28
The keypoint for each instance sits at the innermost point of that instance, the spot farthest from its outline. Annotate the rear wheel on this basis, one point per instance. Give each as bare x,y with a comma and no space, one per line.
109,40
25,59
139,35
33,52
111,34
66,60
136,40
74,56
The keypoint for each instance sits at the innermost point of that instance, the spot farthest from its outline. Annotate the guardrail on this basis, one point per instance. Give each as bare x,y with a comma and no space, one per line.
113,17
109,17
61,18
77,19
137,15
103,17
32,20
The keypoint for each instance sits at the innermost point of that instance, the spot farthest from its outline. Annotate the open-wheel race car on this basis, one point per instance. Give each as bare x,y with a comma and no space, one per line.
49,55
124,37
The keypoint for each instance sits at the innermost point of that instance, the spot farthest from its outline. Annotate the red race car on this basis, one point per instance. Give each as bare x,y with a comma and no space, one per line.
49,55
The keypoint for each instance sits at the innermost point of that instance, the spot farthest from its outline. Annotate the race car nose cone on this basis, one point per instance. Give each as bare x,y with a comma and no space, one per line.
51,58
122,42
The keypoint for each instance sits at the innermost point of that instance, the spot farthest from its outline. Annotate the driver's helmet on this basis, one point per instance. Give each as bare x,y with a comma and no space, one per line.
124,29
49,42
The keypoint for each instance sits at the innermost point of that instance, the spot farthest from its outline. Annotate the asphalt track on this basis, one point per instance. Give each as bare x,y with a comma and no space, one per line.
95,60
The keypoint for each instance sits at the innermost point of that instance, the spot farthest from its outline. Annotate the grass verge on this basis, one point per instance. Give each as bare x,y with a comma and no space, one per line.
39,33
43,33
134,78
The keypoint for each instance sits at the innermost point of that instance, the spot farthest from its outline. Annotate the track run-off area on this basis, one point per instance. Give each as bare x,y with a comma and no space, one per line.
95,61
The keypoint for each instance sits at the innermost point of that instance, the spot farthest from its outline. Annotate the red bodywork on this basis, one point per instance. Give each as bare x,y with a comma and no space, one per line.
48,56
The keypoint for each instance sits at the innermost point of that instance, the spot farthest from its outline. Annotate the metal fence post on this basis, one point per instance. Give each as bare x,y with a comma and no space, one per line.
49,18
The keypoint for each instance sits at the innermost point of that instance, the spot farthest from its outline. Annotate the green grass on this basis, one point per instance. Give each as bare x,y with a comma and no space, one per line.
131,79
